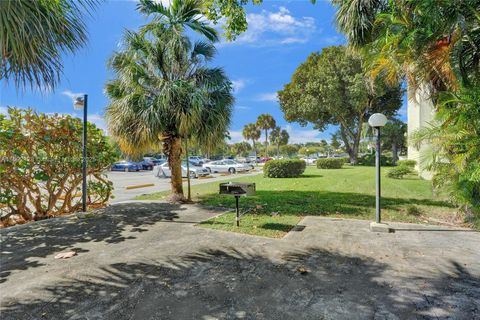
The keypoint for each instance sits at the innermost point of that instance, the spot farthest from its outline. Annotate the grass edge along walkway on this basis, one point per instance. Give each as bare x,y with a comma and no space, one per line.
343,193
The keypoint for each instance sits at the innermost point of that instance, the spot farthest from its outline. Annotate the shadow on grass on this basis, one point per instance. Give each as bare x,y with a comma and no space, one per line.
22,245
232,284
277,226
318,202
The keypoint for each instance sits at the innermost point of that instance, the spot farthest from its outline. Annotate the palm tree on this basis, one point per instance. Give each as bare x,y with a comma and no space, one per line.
251,132
265,122
426,41
163,91
35,35
279,138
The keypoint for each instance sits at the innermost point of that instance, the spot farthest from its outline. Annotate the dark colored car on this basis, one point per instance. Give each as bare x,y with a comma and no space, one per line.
125,166
146,164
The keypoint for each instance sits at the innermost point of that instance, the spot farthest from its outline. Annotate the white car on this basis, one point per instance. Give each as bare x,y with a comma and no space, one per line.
226,165
195,172
309,160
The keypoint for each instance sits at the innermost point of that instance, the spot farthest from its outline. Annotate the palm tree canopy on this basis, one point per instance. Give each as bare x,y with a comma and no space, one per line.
35,34
266,121
435,41
251,132
163,88
177,16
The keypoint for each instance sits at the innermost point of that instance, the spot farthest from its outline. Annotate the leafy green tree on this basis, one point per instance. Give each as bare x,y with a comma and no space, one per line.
308,151
41,166
241,148
279,137
331,88
334,142
265,122
251,132
163,91
289,150
394,137
36,34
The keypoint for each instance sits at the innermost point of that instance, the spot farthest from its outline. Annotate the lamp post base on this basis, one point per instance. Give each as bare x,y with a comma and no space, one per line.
380,227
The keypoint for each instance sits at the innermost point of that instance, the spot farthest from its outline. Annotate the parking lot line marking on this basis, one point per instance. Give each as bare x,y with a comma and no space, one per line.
137,186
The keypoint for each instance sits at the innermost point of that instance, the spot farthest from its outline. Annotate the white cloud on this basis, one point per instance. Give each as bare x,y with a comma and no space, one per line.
238,85
3,110
242,108
302,135
71,95
272,97
273,28
236,136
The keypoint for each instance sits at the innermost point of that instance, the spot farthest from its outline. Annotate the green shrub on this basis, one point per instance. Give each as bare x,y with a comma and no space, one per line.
284,168
330,163
399,172
407,163
369,160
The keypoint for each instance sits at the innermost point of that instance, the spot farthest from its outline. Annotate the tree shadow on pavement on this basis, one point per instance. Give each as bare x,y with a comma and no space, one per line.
21,244
230,284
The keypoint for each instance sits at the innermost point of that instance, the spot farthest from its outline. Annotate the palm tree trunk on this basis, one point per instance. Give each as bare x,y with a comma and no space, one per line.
266,143
189,194
175,164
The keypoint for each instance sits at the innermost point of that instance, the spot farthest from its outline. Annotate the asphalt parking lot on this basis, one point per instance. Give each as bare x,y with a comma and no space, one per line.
122,180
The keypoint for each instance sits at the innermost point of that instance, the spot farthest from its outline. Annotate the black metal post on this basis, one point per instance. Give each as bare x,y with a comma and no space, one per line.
238,211
84,154
378,189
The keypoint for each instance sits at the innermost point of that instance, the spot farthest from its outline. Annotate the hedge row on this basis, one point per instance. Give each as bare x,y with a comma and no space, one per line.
284,168
407,163
330,163
369,160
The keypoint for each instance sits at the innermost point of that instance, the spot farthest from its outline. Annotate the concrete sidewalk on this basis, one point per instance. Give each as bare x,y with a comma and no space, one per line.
150,261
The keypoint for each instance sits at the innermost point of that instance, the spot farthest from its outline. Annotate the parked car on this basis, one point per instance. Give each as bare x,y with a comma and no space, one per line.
125,166
196,160
309,160
195,172
146,164
265,159
155,161
226,165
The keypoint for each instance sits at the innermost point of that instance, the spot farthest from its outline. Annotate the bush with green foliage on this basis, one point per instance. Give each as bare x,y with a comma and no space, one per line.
41,166
330,163
407,163
399,172
284,168
369,160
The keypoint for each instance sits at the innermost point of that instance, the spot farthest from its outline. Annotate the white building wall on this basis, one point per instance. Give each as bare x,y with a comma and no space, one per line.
420,113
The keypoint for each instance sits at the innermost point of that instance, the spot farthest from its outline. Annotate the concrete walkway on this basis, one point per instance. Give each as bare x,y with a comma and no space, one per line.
150,261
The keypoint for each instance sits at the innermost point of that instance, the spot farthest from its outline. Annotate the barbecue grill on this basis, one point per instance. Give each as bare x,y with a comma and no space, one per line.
237,190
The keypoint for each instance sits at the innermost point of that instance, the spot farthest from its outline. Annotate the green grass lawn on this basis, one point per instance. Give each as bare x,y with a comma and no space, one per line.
347,193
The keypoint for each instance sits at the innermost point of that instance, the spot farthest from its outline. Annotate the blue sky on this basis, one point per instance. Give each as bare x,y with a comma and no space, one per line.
281,35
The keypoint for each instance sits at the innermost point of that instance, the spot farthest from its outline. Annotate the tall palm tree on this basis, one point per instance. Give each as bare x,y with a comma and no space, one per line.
35,34
265,122
279,138
251,132
163,91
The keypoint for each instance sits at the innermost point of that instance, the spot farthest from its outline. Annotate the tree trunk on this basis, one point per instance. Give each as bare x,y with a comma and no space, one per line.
174,153
189,193
266,143
394,153
254,149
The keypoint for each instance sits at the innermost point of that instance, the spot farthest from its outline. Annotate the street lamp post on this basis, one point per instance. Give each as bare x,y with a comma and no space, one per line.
377,121
82,103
